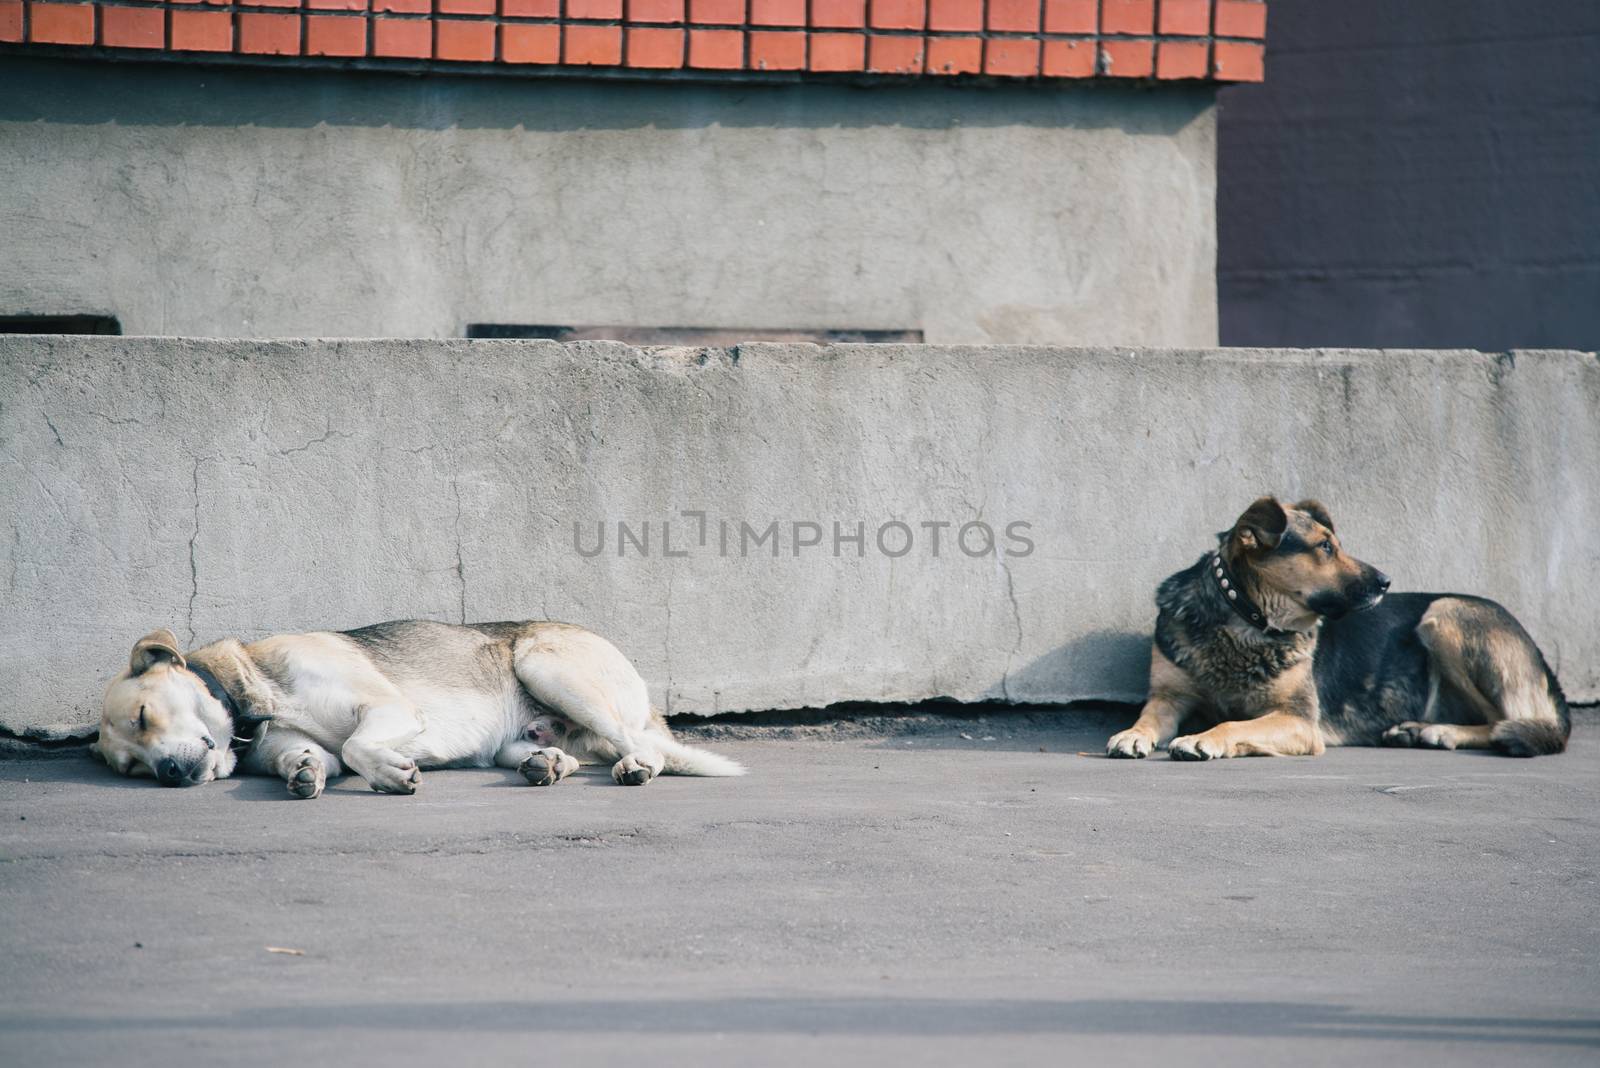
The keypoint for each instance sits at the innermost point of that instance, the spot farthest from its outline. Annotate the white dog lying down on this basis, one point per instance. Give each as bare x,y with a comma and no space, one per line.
386,700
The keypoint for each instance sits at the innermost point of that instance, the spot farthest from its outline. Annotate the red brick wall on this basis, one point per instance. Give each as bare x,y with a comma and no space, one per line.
1217,40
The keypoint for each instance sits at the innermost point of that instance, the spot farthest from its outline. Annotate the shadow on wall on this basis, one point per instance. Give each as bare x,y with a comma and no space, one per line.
1112,663
173,94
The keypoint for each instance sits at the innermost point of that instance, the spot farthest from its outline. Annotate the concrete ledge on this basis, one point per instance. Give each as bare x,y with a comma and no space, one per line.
237,487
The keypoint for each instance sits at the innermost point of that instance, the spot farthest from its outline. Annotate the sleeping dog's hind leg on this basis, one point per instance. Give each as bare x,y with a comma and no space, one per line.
540,766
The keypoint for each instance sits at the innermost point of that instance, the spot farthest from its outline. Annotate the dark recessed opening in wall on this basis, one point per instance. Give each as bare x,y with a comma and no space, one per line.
59,324
688,335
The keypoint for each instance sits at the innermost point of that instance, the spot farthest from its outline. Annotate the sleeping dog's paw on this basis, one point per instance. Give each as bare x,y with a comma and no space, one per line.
394,775
307,777
1197,747
546,767
631,771
1421,735
1130,743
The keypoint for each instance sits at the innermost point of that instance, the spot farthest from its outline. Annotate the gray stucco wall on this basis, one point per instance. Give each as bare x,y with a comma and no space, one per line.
234,202
243,488
1415,174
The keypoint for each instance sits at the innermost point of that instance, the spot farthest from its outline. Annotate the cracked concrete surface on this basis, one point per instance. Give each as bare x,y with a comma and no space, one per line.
925,890
244,488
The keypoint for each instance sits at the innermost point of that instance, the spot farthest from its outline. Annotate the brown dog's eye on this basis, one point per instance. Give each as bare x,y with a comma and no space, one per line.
144,723
1326,547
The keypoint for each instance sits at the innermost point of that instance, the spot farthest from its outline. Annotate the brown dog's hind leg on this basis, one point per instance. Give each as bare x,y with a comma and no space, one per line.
1489,664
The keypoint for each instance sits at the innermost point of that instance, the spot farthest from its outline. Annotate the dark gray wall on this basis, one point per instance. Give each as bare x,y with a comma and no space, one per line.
1424,173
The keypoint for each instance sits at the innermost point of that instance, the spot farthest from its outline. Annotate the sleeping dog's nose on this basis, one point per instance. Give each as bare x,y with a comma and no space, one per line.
170,773
1381,581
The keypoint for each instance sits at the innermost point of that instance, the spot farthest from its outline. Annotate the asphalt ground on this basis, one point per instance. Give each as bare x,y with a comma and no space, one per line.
922,889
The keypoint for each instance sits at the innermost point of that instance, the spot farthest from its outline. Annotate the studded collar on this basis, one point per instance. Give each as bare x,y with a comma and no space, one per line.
1238,600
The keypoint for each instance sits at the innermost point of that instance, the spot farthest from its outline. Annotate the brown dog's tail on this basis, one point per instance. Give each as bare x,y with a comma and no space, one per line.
1529,737
1541,734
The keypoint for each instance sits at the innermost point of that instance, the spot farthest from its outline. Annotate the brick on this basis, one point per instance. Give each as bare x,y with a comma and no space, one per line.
530,44
839,14
778,12
777,51
269,35
61,23
655,11
331,35
133,27
955,14
403,38
1235,61
655,48
1184,18
594,9
530,9
591,46
725,12
716,49
11,20
1182,59
404,7
464,40
267,3
1127,16
1068,59
1015,16
899,14
466,7
1127,59
337,5
838,52
954,55
894,55
202,31
1071,16
1011,57
1241,18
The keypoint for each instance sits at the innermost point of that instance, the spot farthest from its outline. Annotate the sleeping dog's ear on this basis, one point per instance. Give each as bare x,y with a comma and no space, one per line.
1315,510
154,648
1262,525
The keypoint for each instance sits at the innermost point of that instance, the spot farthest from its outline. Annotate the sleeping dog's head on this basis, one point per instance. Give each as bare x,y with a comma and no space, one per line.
159,719
1291,559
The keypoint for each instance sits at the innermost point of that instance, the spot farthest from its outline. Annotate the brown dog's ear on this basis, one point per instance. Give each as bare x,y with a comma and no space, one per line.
1315,510
1262,524
154,648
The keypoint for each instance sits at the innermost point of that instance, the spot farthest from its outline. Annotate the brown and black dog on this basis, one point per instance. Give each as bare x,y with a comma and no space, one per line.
1292,645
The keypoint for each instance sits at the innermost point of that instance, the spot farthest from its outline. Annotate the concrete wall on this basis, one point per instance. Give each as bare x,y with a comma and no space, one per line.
247,487
1415,174
229,202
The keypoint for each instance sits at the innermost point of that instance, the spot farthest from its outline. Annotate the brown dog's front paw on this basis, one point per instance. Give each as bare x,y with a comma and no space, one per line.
1197,747
1130,744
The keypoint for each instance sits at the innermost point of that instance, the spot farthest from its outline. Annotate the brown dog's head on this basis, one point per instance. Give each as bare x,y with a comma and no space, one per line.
1293,563
159,719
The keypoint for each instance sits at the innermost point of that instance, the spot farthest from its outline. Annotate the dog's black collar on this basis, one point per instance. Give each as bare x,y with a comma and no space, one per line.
237,716
1238,600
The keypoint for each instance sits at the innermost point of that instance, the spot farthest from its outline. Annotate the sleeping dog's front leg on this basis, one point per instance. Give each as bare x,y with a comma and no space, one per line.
372,750
293,757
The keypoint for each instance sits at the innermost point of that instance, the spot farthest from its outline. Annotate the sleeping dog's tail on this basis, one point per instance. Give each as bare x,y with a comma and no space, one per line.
687,760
